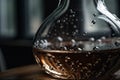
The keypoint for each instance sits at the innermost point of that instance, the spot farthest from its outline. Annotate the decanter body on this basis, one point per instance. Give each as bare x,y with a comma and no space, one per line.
76,41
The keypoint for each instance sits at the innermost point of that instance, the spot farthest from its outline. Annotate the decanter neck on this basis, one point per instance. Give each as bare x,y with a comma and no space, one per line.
77,4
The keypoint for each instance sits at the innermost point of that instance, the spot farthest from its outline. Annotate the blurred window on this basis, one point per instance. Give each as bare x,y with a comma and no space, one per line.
7,18
34,14
20,18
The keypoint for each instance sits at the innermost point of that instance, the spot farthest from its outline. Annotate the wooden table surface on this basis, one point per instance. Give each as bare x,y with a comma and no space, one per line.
34,72
29,72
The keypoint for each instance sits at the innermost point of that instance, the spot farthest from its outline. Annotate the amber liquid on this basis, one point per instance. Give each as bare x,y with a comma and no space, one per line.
78,65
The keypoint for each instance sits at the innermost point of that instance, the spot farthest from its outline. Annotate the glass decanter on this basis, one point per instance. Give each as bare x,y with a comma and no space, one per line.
79,40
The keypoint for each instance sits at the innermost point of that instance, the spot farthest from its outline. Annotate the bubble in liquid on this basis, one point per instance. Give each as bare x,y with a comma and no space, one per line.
73,70
72,63
92,39
60,66
73,33
48,55
87,55
85,68
80,64
89,64
81,70
70,16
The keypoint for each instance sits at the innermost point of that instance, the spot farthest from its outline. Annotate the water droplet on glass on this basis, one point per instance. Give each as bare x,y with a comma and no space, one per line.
60,38
77,61
61,27
70,16
113,34
76,30
76,19
117,43
58,21
73,15
71,11
37,41
73,42
72,23
103,38
66,18
99,40
65,48
75,26
94,15
96,48
67,33
85,33
63,20
66,23
93,21
79,49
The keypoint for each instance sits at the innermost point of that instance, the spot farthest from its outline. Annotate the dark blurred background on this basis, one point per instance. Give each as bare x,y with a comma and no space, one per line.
19,21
